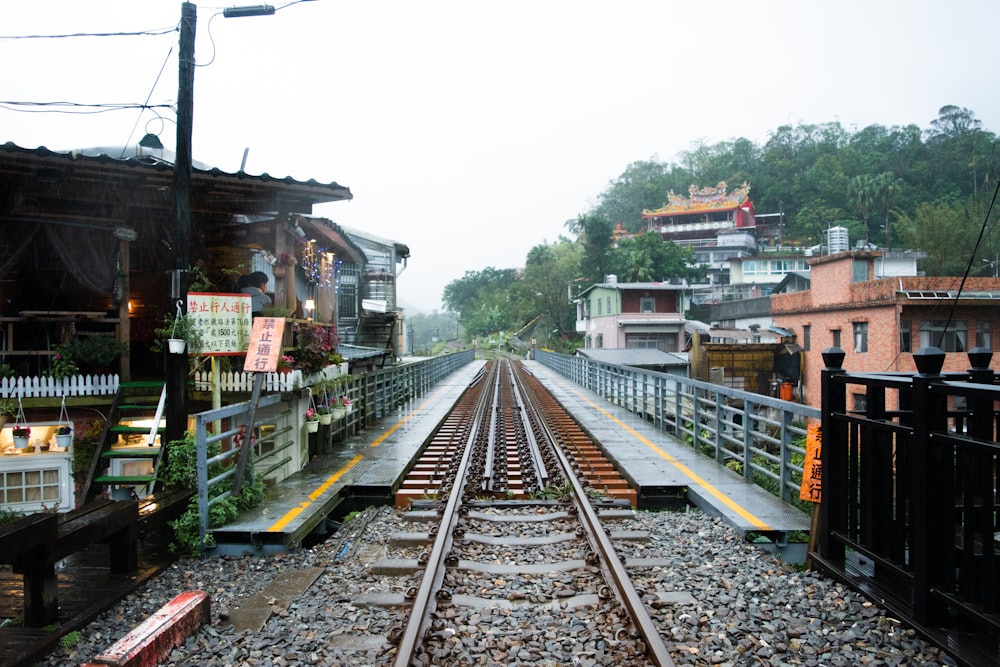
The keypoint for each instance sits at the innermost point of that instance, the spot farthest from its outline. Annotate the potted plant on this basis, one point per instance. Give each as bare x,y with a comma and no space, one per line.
64,436
63,364
7,408
286,363
181,334
94,352
325,413
276,311
20,432
316,345
312,420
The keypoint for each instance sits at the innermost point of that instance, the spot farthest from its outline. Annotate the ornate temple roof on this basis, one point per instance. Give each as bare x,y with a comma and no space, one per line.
701,199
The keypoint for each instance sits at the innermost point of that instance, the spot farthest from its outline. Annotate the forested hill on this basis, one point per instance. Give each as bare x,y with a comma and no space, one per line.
821,175
927,189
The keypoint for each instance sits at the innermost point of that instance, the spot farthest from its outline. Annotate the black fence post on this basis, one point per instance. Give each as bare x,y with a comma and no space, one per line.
932,502
833,433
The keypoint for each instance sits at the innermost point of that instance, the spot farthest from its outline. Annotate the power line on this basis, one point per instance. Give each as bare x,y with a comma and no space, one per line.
75,107
143,33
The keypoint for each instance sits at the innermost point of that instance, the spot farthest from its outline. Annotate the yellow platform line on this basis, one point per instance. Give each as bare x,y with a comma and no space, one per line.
281,523
696,479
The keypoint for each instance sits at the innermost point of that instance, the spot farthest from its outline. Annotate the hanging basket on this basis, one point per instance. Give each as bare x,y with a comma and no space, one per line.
176,345
312,427
20,442
326,418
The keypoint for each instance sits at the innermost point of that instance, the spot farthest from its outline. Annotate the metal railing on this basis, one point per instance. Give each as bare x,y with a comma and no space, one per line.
758,436
374,395
910,496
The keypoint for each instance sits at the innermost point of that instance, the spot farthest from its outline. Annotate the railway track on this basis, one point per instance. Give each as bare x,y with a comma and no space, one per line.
515,501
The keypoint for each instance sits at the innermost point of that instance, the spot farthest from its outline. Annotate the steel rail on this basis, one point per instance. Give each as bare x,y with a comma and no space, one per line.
614,568
538,461
424,602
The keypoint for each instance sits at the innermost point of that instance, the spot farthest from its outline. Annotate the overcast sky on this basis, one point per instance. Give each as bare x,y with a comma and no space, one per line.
473,130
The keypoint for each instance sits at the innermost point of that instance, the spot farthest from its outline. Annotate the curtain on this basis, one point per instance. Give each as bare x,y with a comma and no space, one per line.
88,254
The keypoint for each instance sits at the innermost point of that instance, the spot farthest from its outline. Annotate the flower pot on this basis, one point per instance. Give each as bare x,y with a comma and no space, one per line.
20,442
312,427
278,270
176,345
326,418
64,441
339,413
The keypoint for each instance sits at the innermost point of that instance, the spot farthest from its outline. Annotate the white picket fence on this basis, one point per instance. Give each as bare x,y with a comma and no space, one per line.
42,387
107,385
272,381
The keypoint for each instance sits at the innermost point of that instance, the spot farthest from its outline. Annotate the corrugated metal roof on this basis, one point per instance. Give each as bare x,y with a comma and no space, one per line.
635,357
154,163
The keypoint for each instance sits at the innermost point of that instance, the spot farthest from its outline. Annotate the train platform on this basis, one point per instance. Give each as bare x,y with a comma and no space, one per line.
368,467
364,470
659,466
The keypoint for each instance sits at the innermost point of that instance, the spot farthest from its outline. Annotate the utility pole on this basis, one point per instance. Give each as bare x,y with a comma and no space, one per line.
176,409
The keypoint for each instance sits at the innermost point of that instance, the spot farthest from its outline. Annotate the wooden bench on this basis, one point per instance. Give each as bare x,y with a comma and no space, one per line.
157,510
26,535
34,544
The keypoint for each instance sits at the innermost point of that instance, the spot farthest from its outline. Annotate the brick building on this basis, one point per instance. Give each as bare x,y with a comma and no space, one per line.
879,321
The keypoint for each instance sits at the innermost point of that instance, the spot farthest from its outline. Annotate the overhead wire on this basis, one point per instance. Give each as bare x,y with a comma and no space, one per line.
142,33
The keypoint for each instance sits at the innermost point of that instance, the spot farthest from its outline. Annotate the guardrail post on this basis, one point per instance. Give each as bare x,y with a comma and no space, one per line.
933,500
833,507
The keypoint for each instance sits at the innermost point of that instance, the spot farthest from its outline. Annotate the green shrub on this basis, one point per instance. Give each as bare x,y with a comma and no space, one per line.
181,472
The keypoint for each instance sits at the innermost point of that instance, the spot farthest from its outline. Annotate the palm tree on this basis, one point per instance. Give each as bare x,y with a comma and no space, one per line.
886,186
860,191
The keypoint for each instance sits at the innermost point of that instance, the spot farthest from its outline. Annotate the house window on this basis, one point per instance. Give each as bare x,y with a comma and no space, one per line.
984,335
937,333
642,342
860,336
806,335
859,271
860,402
609,305
599,344
905,336
600,307
836,337
647,305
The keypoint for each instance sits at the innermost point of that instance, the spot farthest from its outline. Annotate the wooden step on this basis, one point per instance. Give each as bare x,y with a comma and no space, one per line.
132,453
151,407
124,479
135,429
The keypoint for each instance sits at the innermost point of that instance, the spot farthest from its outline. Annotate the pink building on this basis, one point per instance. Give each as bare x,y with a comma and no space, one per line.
613,315
880,321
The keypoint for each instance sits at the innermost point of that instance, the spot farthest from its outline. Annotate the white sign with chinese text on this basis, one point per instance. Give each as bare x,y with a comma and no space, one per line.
223,321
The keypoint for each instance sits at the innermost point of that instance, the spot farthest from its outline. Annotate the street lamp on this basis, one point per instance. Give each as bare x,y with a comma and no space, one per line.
176,411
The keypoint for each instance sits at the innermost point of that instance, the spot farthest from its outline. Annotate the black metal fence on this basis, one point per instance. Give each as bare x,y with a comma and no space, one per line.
909,484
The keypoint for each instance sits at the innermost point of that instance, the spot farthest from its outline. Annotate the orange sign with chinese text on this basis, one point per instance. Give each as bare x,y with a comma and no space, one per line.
812,470
265,344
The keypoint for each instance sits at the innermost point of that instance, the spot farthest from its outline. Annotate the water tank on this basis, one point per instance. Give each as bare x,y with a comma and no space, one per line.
379,285
836,239
611,279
